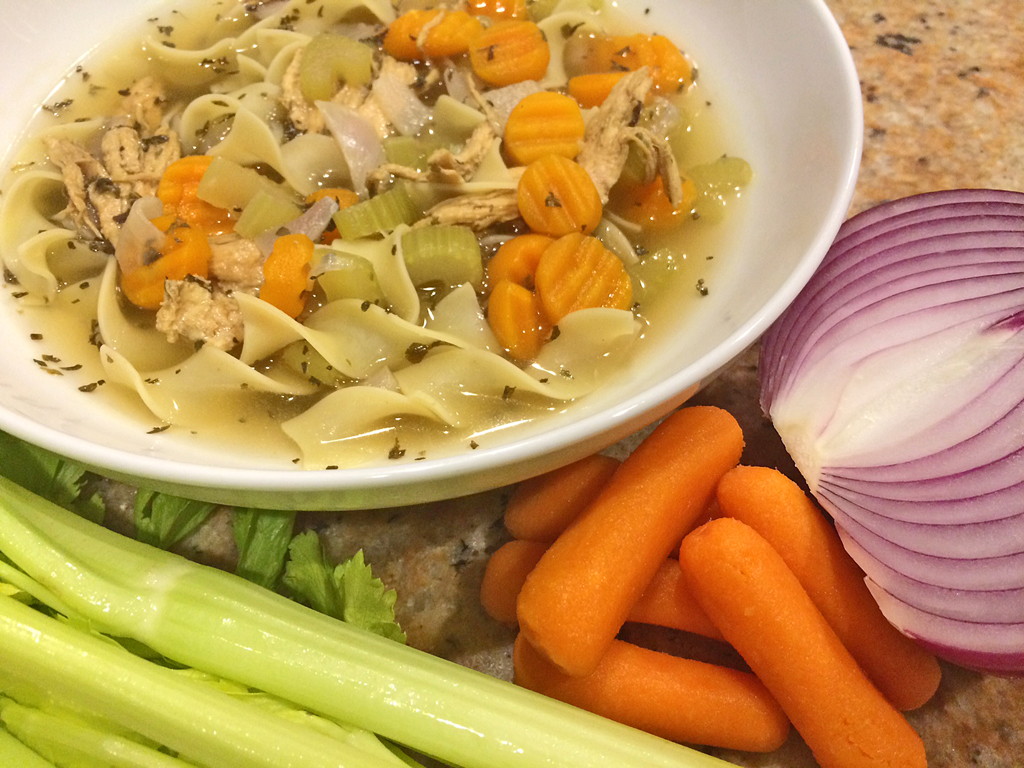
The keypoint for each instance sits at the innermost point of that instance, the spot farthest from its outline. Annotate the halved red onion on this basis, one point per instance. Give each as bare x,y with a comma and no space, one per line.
896,381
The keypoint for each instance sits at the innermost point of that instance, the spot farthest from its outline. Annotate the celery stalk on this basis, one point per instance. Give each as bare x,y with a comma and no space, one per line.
14,753
204,725
217,622
68,741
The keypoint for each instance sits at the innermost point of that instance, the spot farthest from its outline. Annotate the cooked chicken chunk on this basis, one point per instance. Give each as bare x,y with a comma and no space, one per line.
477,211
194,310
236,263
137,163
609,132
144,105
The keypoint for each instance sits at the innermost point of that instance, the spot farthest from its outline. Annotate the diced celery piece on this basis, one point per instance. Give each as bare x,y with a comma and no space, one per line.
453,120
378,214
228,184
442,253
411,151
350,277
266,211
329,59
718,183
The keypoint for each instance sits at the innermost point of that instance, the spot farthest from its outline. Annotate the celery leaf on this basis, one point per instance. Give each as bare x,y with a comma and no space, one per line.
348,591
162,519
262,538
44,473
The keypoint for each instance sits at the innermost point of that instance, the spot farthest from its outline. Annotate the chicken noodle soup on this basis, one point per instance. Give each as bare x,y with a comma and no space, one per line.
360,233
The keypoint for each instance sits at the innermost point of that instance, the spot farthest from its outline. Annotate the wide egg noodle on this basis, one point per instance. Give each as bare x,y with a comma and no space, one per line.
386,257
459,314
315,159
26,231
191,69
210,381
143,347
326,431
356,338
285,55
588,347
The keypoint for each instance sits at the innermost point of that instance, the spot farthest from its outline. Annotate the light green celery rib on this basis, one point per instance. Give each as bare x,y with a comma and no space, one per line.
219,623
14,753
71,742
204,725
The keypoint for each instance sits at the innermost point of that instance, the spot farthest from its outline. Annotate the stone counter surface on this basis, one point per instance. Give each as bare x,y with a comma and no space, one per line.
943,89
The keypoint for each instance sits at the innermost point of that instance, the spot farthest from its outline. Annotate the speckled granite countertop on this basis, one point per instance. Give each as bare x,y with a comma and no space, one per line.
943,86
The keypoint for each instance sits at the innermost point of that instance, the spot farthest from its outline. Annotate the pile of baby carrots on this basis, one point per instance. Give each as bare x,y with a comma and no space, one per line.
680,535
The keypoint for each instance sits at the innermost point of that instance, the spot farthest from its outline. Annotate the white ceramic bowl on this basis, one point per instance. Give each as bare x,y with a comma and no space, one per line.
786,74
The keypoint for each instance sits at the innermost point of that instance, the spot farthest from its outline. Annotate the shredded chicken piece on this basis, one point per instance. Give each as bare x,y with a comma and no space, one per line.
94,201
236,263
609,132
660,160
144,105
137,163
443,165
467,160
303,114
194,310
477,211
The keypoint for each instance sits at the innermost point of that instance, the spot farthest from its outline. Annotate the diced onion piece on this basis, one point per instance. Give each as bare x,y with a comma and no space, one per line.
401,105
896,381
358,140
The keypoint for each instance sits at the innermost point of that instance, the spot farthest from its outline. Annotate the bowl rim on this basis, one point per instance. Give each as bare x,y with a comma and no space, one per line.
119,462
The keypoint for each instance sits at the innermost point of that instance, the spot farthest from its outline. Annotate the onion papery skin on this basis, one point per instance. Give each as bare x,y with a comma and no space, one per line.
896,382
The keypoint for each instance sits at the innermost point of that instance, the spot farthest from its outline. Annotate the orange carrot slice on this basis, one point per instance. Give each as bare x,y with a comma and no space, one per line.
584,587
556,196
544,123
178,190
513,313
578,272
286,274
510,51
401,40
747,589
185,251
776,507
647,205
452,35
591,89
517,258
675,698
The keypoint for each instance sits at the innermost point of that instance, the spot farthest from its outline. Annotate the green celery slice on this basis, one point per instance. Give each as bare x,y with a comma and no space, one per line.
329,59
443,253
264,212
212,620
350,277
228,184
382,213
14,753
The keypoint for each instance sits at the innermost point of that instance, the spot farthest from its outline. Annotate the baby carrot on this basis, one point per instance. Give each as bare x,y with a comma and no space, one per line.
544,506
543,123
751,594
504,575
513,313
666,602
516,260
582,590
776,507
672,697
556,196
510,51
